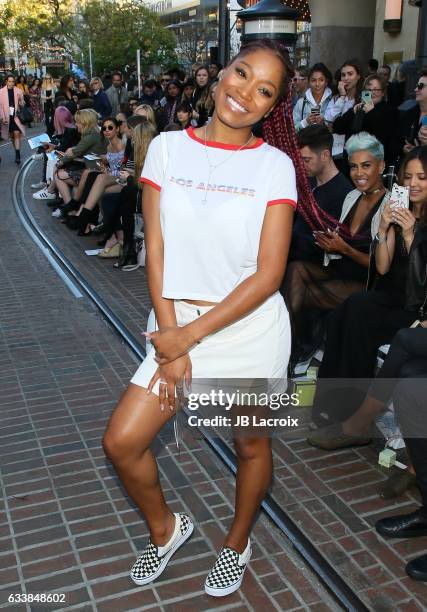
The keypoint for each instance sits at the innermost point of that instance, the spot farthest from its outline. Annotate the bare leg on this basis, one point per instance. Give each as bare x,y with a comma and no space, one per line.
63,184
133,426
102,182
79,189
17,140
52,185
254,474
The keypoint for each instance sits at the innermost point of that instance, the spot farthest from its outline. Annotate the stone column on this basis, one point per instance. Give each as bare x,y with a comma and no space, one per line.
342,29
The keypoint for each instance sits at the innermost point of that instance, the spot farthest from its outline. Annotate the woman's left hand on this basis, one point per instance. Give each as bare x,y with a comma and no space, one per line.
404,218
69,151
331,242
170,343
422,135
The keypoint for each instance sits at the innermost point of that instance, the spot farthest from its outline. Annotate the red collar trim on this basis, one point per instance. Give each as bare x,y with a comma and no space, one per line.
222,145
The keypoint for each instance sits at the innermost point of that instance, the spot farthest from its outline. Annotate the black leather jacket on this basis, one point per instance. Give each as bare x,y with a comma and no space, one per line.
416,278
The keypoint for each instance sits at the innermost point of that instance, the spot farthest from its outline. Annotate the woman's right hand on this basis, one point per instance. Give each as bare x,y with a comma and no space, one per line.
341,89
313,119
386,216
171,376
408,146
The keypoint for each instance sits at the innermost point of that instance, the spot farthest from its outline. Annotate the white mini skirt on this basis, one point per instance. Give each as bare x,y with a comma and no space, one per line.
257,346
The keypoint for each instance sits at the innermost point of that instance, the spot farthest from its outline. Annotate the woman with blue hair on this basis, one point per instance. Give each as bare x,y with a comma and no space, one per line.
344,271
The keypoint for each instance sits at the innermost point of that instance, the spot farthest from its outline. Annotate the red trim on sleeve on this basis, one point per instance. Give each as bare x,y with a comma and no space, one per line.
282,201
151,183
222,145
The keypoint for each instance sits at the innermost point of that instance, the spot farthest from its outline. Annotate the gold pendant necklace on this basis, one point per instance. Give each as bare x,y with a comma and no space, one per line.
213,167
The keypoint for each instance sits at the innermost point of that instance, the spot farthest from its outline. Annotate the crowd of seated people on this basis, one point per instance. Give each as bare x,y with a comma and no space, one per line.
353,288
106,120
323,285
382,296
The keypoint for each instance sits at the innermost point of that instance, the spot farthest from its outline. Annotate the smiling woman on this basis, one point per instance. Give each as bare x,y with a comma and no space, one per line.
312,286
397,297
218,211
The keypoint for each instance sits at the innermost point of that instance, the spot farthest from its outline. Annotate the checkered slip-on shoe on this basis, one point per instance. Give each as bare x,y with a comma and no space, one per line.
227,574
150,564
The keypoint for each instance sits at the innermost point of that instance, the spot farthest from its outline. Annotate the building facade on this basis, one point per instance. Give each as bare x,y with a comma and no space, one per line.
329,30
361,29
401,45
195,25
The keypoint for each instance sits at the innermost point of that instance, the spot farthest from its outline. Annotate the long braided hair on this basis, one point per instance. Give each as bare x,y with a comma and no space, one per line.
279,131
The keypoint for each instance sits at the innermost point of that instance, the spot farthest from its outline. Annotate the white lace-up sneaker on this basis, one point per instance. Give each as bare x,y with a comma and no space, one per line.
40,185
44,195
227,574
154,559
56,213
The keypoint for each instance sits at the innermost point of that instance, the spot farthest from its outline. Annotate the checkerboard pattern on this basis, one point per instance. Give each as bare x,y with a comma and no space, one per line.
66,524
150,564
228,569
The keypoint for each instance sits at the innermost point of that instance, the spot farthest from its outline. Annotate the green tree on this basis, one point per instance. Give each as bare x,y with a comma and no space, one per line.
118,29
34,24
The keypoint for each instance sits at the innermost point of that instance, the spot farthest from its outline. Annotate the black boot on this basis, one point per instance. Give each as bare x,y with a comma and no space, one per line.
404,525
17,156
66,208
128,257
417,568
85,218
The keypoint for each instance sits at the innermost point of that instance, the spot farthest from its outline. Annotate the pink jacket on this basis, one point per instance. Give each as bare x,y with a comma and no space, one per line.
4,110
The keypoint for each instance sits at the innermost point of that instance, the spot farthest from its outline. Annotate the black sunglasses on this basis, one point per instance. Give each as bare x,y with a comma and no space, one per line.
108,127
420,86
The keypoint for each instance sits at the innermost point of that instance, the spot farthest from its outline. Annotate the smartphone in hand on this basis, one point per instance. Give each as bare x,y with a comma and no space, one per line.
366,96
399,196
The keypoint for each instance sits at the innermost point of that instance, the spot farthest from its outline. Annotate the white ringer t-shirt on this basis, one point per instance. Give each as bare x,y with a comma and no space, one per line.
210,248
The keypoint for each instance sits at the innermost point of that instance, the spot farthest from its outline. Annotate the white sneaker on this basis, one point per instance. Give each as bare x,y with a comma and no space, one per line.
154,559
226,576
56,213
44,195
40,185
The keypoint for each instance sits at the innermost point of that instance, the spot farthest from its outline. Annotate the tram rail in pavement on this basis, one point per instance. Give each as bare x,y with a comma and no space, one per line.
76,283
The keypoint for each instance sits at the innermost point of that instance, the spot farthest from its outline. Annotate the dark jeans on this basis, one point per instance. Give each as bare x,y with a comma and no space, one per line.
49,112
407,358
355,330
410,401
124,208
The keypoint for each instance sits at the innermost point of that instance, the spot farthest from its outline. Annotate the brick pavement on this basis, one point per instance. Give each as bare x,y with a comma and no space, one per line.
66,524
332,496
